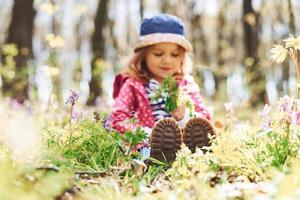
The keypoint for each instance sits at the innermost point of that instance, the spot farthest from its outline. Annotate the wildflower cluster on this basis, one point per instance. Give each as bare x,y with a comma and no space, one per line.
287,113
73,97
290,107
174,93
169,92
266,119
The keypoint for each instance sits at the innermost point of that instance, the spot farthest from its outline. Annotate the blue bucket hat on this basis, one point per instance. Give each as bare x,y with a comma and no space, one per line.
162,28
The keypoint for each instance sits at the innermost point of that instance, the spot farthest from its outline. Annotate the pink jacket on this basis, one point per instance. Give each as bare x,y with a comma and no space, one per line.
131,101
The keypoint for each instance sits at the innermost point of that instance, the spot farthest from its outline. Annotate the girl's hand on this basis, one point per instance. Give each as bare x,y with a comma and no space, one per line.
179,112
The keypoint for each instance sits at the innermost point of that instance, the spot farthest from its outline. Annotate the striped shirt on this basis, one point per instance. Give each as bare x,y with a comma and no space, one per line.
158,106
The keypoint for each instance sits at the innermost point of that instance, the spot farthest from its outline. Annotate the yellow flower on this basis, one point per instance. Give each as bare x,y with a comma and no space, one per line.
51,70
250,18
279,53
55,41
49,8
10,49
292,42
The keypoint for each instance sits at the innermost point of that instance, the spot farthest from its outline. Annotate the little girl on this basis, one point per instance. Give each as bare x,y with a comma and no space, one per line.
161,51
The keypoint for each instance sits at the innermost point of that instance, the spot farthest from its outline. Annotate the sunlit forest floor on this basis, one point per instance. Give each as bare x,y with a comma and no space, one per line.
45,154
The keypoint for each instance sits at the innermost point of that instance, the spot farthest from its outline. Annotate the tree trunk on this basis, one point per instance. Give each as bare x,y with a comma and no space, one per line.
142,8
292,26
167,7
53,59
254,74
286,66
98,47
177,8
164,6
220,74
128,26
20,33
283,83
199,43
198,38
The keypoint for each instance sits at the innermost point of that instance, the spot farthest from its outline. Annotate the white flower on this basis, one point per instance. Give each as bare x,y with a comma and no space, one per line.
266,110
279,53
240,131
229,107
292,42
164,94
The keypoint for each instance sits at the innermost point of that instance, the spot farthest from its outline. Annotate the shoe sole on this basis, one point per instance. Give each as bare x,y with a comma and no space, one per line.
195,133
165,140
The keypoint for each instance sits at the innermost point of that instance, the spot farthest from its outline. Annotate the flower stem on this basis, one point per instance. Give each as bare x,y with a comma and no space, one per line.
70,123
296,61
298,73
287,124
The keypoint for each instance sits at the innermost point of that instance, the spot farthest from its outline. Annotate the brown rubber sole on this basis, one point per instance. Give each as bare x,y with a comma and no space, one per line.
165,140
195,133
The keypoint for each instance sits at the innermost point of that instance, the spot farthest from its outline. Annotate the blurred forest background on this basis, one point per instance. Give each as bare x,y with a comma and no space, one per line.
51,46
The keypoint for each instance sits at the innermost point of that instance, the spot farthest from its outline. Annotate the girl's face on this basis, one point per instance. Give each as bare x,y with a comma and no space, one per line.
164,59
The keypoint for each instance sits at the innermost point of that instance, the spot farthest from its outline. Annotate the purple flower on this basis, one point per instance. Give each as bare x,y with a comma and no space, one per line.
296,118
266,110
15,104
266,124
285,104
73,97
297,103
266,120
107,123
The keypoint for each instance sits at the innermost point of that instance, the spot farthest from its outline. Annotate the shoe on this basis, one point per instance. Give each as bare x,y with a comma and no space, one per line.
165,140
195,133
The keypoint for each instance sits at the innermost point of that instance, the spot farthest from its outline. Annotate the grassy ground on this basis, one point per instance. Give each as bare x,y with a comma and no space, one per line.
50,158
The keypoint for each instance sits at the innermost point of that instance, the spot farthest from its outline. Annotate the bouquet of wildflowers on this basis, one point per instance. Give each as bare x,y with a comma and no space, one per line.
168,91
173,96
